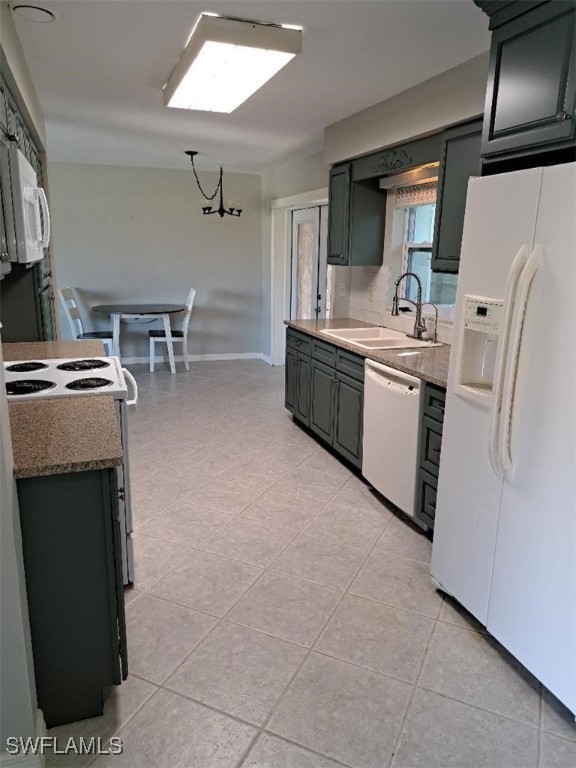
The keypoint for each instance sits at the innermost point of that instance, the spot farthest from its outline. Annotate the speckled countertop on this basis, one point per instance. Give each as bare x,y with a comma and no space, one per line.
430,364
72,434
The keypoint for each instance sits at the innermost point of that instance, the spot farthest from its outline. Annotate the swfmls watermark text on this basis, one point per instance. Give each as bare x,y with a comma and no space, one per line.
41,745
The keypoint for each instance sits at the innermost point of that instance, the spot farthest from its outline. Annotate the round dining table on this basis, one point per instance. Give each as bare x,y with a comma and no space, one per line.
140,311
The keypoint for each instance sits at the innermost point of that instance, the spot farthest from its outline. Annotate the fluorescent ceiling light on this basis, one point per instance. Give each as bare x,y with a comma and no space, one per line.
226,61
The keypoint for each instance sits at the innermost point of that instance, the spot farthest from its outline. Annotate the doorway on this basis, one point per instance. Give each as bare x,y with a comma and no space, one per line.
311,277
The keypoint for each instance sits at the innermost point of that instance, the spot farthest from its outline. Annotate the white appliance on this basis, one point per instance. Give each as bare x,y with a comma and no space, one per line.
505,528
84,377
392,402
31,217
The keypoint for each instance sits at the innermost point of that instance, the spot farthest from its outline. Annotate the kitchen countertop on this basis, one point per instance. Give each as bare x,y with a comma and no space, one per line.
430,364
73,434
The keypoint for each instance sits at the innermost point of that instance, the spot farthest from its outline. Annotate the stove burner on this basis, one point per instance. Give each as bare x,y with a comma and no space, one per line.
83,365
26,367
28,386
89,383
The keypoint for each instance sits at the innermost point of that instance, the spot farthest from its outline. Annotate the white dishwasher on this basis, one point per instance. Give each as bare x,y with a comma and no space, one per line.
392,402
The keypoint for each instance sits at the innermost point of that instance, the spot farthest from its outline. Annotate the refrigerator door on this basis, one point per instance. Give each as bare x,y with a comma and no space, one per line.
533,597
500,218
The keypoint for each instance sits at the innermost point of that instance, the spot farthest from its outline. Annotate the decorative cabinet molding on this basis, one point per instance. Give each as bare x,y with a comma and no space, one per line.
392,160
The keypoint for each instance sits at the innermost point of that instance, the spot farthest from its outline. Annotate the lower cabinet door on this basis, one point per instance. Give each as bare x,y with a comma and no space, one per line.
426,502
290,373
302,411
349,405
322,400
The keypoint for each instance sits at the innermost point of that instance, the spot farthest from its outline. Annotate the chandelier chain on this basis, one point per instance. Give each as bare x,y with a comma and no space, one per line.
207,197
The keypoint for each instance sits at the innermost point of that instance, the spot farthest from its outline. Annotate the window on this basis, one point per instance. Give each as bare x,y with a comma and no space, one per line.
416,208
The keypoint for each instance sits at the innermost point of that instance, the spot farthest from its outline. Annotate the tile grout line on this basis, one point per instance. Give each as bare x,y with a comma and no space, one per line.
402,727
301,665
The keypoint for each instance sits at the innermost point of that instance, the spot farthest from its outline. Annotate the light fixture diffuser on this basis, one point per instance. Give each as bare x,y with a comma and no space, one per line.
226,61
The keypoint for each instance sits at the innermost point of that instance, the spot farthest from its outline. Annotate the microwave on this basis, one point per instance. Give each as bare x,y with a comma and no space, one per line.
28,228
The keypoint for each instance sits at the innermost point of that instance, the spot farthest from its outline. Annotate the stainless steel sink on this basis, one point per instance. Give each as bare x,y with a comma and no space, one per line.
377,338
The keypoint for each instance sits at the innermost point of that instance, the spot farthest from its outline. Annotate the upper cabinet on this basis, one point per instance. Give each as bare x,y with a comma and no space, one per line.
531,91
338,213
357,205
356,211
459,159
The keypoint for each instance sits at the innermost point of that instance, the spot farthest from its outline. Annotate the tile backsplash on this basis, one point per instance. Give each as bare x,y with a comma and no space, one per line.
366,298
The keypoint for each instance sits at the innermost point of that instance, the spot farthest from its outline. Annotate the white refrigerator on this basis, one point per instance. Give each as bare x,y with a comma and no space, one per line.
505,529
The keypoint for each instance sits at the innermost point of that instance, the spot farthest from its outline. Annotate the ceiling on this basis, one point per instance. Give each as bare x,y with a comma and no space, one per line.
99,69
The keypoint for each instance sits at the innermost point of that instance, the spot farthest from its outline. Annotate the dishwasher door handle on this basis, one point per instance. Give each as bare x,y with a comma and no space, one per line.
398,384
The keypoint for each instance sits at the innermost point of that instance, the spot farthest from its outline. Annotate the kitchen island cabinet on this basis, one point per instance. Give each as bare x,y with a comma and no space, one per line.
66,455
72,562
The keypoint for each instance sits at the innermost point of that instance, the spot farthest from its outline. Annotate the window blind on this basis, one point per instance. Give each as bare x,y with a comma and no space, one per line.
417,194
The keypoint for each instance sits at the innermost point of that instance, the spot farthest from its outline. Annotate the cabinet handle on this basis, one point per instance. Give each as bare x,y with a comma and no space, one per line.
4,257
298,343
339,256
562,116
433,506
436,450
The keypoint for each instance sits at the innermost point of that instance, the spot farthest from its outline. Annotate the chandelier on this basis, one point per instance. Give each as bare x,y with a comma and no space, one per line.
207,210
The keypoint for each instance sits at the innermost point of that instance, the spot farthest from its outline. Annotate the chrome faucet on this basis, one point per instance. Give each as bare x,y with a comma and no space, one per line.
429,304
419,324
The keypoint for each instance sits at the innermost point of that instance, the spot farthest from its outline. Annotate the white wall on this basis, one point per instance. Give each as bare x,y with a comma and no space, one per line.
452,97
138,234
305,175
17,74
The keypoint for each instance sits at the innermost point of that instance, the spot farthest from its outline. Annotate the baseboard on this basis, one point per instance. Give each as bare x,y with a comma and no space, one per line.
199,358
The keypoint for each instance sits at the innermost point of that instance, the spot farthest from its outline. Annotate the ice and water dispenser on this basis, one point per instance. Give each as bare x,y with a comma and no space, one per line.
478,347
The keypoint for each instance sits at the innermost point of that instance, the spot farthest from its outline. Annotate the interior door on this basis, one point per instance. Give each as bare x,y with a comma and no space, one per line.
310,286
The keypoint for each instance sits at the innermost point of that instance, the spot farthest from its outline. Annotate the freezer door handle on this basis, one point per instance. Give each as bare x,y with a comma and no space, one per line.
510,376
495,417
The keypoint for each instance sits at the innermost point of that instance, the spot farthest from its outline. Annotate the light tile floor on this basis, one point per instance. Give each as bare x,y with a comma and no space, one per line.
283,617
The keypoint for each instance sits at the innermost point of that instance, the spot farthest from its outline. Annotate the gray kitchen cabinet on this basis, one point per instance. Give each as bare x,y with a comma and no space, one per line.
291,379
303,390
72,562
348,418
531,89
431,424
297,375
325,391
27,310
338,214
322,401
459,160
356,212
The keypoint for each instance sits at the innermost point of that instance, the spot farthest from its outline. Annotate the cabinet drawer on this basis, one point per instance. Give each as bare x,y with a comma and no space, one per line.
325,353
299,341
430,445
434,402
350,364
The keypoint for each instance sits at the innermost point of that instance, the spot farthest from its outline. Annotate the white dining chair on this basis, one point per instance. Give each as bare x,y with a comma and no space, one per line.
69,304
159,336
